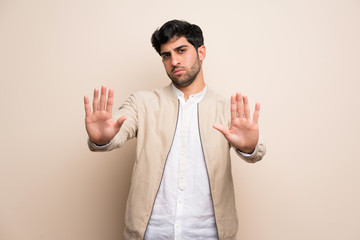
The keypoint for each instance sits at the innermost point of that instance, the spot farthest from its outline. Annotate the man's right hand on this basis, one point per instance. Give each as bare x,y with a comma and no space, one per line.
100,125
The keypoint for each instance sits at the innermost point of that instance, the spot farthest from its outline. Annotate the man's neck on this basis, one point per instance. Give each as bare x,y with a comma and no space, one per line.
195,87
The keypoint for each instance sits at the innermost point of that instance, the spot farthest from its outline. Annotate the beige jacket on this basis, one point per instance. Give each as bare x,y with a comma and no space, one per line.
152,118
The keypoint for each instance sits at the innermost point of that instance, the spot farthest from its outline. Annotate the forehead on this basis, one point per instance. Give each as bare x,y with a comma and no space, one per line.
174,43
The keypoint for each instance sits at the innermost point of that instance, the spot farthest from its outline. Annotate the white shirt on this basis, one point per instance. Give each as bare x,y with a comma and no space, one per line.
183,207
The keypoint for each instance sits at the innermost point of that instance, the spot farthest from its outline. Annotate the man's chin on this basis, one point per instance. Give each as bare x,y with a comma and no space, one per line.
181,84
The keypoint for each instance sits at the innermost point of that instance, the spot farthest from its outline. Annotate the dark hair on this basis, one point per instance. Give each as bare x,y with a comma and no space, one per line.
177,28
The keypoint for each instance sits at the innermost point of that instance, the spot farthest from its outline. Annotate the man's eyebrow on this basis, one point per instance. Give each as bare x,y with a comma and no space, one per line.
164,53
177,48
182,46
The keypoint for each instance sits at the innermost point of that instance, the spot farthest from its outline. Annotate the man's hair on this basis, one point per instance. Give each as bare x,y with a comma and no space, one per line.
177,29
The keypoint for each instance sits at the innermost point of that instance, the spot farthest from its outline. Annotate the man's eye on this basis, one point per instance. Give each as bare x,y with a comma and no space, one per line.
165,56
182,50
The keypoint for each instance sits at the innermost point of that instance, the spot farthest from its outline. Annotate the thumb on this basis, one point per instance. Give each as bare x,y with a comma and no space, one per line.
120,122
220,128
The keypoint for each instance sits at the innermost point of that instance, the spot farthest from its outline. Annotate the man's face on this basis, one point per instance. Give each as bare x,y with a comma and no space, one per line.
181,61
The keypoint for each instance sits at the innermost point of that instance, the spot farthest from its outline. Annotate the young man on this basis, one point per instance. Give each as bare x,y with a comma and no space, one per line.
182,186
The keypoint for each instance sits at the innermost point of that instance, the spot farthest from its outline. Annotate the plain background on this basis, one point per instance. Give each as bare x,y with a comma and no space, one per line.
300,59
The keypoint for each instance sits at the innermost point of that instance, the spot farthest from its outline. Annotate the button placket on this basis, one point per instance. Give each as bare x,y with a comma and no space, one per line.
182,159
179,214
181,169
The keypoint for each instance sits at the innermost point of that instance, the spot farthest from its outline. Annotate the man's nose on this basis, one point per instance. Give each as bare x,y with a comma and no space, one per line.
175,60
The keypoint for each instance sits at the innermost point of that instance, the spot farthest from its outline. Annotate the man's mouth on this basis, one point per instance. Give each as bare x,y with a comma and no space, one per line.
178,71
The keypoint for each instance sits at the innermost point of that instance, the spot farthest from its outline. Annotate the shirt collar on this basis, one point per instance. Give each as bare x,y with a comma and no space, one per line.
195,98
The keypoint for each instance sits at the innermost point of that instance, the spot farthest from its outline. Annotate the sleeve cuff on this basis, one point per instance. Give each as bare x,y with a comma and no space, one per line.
248,155
95,146
255,156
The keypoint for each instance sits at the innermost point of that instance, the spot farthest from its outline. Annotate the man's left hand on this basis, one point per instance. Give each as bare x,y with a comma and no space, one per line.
243,133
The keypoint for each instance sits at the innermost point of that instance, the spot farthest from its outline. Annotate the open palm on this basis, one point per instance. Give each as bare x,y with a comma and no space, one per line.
243,133
100,125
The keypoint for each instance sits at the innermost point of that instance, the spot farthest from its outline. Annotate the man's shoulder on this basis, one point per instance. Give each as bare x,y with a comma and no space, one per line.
155,94
213,96
166,90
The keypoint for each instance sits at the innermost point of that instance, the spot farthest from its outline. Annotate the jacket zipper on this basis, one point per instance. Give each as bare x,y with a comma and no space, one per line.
202,148
172,141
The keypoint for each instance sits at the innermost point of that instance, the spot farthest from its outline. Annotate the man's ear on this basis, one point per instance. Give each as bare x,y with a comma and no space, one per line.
202,52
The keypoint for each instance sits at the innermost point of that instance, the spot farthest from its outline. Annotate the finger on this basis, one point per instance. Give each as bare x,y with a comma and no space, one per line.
96,100
120,121
87,106
102,98
110,101
233,107
239,105
256,113
221,128
246,107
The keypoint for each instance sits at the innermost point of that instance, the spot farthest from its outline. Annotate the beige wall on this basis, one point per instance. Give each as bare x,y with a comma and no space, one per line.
300,59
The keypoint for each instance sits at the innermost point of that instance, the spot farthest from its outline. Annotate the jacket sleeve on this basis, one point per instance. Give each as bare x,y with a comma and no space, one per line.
256,156
127,131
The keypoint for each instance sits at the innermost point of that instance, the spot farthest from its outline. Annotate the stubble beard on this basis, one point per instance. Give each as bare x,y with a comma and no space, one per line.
189,77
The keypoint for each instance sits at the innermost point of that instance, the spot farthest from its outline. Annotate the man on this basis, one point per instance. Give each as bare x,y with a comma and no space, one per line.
181,186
